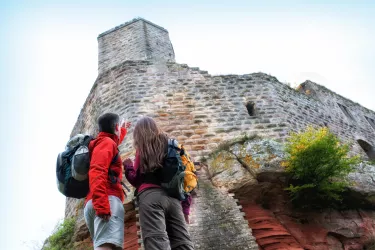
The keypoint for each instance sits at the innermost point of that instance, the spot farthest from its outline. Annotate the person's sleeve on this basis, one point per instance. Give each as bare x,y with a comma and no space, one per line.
124,131
185,204
101,158
131,172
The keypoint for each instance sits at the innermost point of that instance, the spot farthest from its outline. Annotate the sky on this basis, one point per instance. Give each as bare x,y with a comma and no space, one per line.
48,64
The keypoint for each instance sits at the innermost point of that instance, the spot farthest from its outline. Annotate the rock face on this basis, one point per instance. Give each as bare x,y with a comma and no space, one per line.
138,76
268,231
363,180
277,225
283,228
266,154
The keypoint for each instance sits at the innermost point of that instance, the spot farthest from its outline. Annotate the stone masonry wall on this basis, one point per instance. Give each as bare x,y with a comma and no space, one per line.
352,129
138,39
158,44
120,44
190,105
312,104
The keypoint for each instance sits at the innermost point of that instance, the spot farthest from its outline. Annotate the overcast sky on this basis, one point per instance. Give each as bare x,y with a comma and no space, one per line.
48,64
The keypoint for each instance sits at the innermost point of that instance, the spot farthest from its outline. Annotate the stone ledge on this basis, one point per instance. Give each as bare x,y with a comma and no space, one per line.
129,23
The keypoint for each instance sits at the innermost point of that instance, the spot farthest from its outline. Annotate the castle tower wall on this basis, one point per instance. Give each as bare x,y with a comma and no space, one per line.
197,109
315,105
138,39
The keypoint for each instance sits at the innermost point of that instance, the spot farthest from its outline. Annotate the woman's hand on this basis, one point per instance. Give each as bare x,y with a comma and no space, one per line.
127,162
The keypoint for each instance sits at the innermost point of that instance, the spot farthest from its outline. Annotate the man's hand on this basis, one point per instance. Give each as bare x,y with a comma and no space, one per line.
105,217
127,162
126,125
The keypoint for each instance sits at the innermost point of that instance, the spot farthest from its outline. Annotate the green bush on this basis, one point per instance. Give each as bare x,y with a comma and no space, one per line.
318,165
62,236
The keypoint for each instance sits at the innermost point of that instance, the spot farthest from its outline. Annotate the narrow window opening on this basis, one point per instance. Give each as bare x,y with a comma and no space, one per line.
369,150
346,111
250,106
371,121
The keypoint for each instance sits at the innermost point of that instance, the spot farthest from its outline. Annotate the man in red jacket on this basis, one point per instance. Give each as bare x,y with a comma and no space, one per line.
104,211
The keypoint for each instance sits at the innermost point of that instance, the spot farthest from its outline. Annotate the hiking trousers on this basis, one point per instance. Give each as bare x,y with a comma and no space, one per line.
162,221
102,231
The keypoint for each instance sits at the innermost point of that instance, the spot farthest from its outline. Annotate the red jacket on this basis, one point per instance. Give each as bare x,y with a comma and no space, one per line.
103,150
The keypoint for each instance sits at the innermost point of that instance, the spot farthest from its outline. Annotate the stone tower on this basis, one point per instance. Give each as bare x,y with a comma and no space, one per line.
138,39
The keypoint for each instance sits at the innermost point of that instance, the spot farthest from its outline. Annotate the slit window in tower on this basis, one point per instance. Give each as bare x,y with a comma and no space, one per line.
371,121
368,148
250,106
346,111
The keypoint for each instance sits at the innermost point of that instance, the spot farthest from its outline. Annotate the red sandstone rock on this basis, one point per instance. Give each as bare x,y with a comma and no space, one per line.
267,230
131,237
280,227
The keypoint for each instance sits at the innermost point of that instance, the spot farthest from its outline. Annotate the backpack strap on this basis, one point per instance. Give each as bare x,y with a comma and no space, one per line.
172,144
112,175
182,150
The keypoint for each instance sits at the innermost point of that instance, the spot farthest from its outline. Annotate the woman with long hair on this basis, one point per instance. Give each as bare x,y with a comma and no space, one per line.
162,221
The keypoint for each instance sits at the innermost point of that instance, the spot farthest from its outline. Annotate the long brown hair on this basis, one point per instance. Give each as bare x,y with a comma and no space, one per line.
151,144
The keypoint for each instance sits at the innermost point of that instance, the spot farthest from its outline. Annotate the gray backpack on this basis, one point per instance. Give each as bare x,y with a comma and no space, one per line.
72,167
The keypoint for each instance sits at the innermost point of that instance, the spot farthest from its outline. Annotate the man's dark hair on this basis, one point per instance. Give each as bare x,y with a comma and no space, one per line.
107,122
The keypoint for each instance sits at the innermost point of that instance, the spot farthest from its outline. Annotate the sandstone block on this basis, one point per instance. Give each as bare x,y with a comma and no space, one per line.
198,147
200,131
188,133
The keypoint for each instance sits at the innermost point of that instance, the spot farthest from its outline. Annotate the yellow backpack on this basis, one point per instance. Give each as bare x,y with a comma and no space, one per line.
190,180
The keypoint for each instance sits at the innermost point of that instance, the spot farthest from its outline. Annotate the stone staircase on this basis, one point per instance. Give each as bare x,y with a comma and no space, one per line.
216,220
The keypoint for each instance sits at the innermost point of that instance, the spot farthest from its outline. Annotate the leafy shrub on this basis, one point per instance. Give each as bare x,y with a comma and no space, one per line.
62,236
318,165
